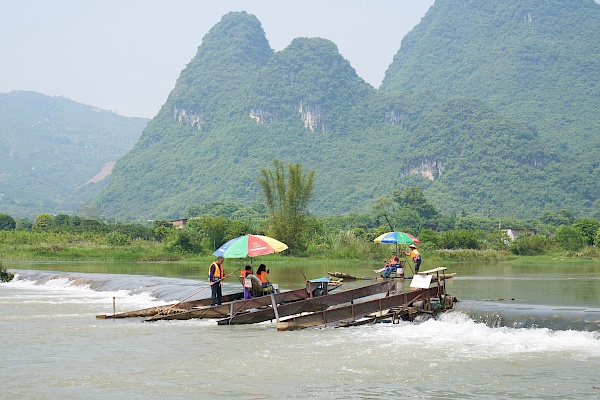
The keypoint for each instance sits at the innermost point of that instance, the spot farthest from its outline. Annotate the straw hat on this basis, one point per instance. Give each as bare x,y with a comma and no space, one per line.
412,246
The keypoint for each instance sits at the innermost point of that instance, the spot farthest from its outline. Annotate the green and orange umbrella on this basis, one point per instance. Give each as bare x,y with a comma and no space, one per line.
250,246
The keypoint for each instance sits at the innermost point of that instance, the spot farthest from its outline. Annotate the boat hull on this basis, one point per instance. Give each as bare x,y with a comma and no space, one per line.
309,305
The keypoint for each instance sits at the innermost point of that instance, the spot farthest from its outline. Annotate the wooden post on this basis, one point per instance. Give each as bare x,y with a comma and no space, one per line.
275,307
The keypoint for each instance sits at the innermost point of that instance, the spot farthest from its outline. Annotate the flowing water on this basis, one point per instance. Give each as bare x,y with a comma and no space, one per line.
52,346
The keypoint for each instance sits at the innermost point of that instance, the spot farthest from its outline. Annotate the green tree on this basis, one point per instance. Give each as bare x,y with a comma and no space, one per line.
569,238
287,196
162,228
588,227
7,222
563,217
43,221
459,239
413,197
529,245
213,230
62,220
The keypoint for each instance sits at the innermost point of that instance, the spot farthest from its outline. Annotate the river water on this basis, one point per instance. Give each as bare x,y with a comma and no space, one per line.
53,347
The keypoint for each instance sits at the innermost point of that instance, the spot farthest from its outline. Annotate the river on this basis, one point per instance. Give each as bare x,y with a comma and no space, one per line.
53,347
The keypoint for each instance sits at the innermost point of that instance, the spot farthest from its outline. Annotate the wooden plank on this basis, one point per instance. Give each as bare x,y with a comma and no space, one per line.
148,312
238,306
356,311
431,271
309,305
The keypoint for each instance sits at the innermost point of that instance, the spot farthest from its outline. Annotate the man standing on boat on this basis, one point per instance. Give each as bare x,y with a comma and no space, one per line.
215,276
415,255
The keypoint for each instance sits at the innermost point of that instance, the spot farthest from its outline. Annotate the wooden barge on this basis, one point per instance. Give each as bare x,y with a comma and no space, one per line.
421,300
314,306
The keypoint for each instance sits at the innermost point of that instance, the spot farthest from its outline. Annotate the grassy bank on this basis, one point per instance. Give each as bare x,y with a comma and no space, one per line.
90,246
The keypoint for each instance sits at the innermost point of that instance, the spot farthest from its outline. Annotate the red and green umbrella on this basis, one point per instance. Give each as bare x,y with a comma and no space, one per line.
396,238
250,246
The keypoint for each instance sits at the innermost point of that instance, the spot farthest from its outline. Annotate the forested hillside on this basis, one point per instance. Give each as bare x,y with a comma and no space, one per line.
51,146
237,105
535,61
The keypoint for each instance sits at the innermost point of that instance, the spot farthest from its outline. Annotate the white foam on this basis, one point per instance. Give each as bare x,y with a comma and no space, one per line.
65,290
456,336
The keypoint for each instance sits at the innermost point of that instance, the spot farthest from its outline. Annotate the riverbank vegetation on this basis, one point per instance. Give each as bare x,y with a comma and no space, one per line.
456,238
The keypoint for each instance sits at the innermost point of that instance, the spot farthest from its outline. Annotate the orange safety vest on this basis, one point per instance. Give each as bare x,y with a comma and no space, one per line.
263,277
245,273
395,260
414,254
218,272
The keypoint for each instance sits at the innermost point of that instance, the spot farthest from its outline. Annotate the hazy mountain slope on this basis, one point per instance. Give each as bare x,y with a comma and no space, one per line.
295,105
51,146
237,105
469,158
537,61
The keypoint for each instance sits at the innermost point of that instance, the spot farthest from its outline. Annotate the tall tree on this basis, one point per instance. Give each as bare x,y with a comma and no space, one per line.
287,196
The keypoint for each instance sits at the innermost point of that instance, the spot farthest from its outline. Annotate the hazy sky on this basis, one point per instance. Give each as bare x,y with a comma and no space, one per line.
125,55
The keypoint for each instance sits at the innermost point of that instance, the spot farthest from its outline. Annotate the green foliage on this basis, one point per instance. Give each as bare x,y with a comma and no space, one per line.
569,238
563,217
5,276
414,198
212,229
589,228
287,196
117,239
537,64
530,245
51,146
473,222
23,223
43,221
7,222
459,239
162,228
498,124
183,242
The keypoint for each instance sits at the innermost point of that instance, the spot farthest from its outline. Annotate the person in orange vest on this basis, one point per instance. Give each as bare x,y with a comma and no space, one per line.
262,273
391,265
246,271
216,273
244,274
415,255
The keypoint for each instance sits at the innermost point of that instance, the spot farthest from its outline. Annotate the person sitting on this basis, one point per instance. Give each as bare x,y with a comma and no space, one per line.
391,266
246,271
262,273
243,275
258,288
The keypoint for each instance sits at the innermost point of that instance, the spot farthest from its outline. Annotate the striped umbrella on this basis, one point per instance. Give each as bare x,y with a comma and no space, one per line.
250,246
396,238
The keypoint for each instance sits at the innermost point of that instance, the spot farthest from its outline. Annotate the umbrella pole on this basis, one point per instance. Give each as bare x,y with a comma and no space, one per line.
406,259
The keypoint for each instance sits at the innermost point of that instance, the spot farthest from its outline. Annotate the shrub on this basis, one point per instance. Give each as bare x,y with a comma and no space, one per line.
117,239
530,245
7,222
183,242
459,239
569,238
5,276
43,221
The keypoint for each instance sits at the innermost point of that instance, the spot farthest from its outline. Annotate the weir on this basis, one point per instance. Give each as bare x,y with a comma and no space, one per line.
496,314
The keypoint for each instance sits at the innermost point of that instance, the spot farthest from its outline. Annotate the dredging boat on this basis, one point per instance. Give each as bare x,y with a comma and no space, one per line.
422,299
232,304
313,305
